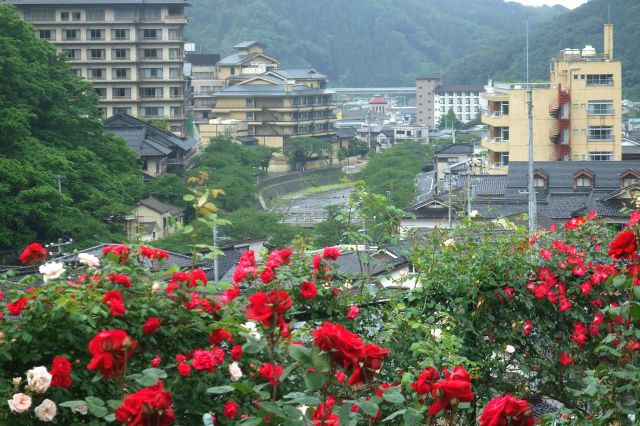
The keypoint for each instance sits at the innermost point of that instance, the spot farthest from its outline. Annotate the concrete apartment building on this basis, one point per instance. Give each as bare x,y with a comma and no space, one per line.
204,82
130,50
576,115
434,100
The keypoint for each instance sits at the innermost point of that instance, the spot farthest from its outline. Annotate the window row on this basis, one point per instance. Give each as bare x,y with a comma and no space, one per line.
585,179
143,92
121,54
126,13
125,73
117,34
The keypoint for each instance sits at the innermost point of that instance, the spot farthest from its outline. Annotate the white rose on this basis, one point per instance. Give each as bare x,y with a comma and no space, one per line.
19,402
46,411
155,287
449,242
436,333
1,335
51,271
16,381
252,329
509,349
39,379
303,409
235,371
80,409
473,213
89,260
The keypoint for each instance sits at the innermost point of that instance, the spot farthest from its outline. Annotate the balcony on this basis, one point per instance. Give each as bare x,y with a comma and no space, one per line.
495,119
496,144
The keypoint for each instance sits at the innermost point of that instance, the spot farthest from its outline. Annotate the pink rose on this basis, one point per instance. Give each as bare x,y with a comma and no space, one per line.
19,402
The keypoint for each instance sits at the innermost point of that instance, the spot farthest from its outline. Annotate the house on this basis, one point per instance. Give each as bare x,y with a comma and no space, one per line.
248,61
564,190
159,151
447,156
152,219
201,69
378,104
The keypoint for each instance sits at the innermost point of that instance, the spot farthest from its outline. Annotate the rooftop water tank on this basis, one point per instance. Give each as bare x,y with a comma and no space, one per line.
588,51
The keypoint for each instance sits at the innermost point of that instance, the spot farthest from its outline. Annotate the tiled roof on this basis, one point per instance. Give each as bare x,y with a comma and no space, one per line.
247,44
236,59
157,205
200,59
152,134
486,185
377,100
269,90
345,132
459,88
299,73
456,148
134,136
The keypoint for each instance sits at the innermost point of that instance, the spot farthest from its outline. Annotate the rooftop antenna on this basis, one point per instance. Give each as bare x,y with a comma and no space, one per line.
531,189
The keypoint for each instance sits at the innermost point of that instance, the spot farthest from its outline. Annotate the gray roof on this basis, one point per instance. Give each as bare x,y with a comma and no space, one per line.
157,205
459,88
456,148
298,73
486,185
247,44
269,90
345,132
236,59
202,58
134,136
152,136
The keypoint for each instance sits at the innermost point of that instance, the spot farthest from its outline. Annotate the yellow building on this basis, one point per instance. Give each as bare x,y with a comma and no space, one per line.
272,107
576,115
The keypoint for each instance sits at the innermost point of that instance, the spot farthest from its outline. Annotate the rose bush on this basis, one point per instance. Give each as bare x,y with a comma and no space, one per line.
498,318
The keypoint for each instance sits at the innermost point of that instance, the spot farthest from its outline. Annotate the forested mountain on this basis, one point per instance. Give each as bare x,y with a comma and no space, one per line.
363,42
574,29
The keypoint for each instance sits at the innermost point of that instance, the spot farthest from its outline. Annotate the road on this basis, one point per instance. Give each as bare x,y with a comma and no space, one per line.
425,182
309,210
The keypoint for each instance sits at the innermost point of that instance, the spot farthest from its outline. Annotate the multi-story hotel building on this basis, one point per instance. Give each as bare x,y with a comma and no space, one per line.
576,115
130,50
204,83
434,100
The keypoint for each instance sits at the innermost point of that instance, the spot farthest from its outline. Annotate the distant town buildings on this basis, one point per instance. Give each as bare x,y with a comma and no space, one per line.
577,115
201,70
132,51
434,100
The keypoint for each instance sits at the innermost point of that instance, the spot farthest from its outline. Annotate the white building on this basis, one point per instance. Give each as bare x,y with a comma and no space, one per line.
463,99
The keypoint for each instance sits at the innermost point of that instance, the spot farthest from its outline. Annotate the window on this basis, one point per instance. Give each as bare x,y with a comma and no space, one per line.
175,53
504,158
174,73
600,108
101,91
504,133
40,15
95,15
120,34
150,34
599,79
151,53
175,34
71,35
150,14
539,182
151,111
96,73
121,73
176,10
600,133
175,92
600,156
71,54
96,54
76,71
47,34
121,110
250,116
151,92
124,14
69,16
95,34
120,54
151,73
583,181
121,93
628,179
175,111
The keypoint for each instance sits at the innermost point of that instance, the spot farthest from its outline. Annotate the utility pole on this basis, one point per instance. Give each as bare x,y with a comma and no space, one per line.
59,245
449,224
215,246
532,194
59,179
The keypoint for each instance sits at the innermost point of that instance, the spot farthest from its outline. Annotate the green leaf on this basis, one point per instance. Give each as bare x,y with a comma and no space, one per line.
110,418
220,389
253,347
155,371
393,396
394,415
367,407
618,281
270,407
114,403
147,380
243,388
300,354
412,417
301,398
635,310
252,421
188,197
95,401
72,404
97,410
320,360
314,381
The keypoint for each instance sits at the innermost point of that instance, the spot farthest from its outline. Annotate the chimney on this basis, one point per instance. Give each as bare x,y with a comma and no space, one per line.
608,41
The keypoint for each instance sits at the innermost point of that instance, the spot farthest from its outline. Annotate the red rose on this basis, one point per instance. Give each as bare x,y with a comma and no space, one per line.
331,253
18,306
344,347
115,302
507,410
575,222
566,359
184,369
151,325
155,362
624,246
152,253
110,350
527,328
267,275
308,290
564,304
456,385
424,384
197,277
353,312
219,335
120,279
230,409
34,252
509,291
371,361
148,406
203,360
119,252
231,293
285,255
264,307
579,333
633,218
60,372
236,352
271,372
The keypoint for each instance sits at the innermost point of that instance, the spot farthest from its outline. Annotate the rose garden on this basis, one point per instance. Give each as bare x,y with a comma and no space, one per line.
497,324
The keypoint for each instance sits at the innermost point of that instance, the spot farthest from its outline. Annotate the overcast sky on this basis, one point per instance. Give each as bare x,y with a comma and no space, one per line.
571,4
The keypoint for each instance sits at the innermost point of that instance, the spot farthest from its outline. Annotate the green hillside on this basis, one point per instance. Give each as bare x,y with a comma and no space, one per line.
574,29
362,42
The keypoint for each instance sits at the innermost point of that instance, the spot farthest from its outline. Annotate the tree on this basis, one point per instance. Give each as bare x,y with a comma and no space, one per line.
301,150
449,121
60,175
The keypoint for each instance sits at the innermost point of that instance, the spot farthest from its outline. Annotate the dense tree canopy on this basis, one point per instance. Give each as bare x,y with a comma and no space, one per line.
50,130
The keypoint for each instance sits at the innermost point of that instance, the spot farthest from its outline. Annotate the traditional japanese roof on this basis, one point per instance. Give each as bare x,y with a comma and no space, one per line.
456,148
377,100
345,132
237,59
160,207
276,89
202,59
298,73
248,44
